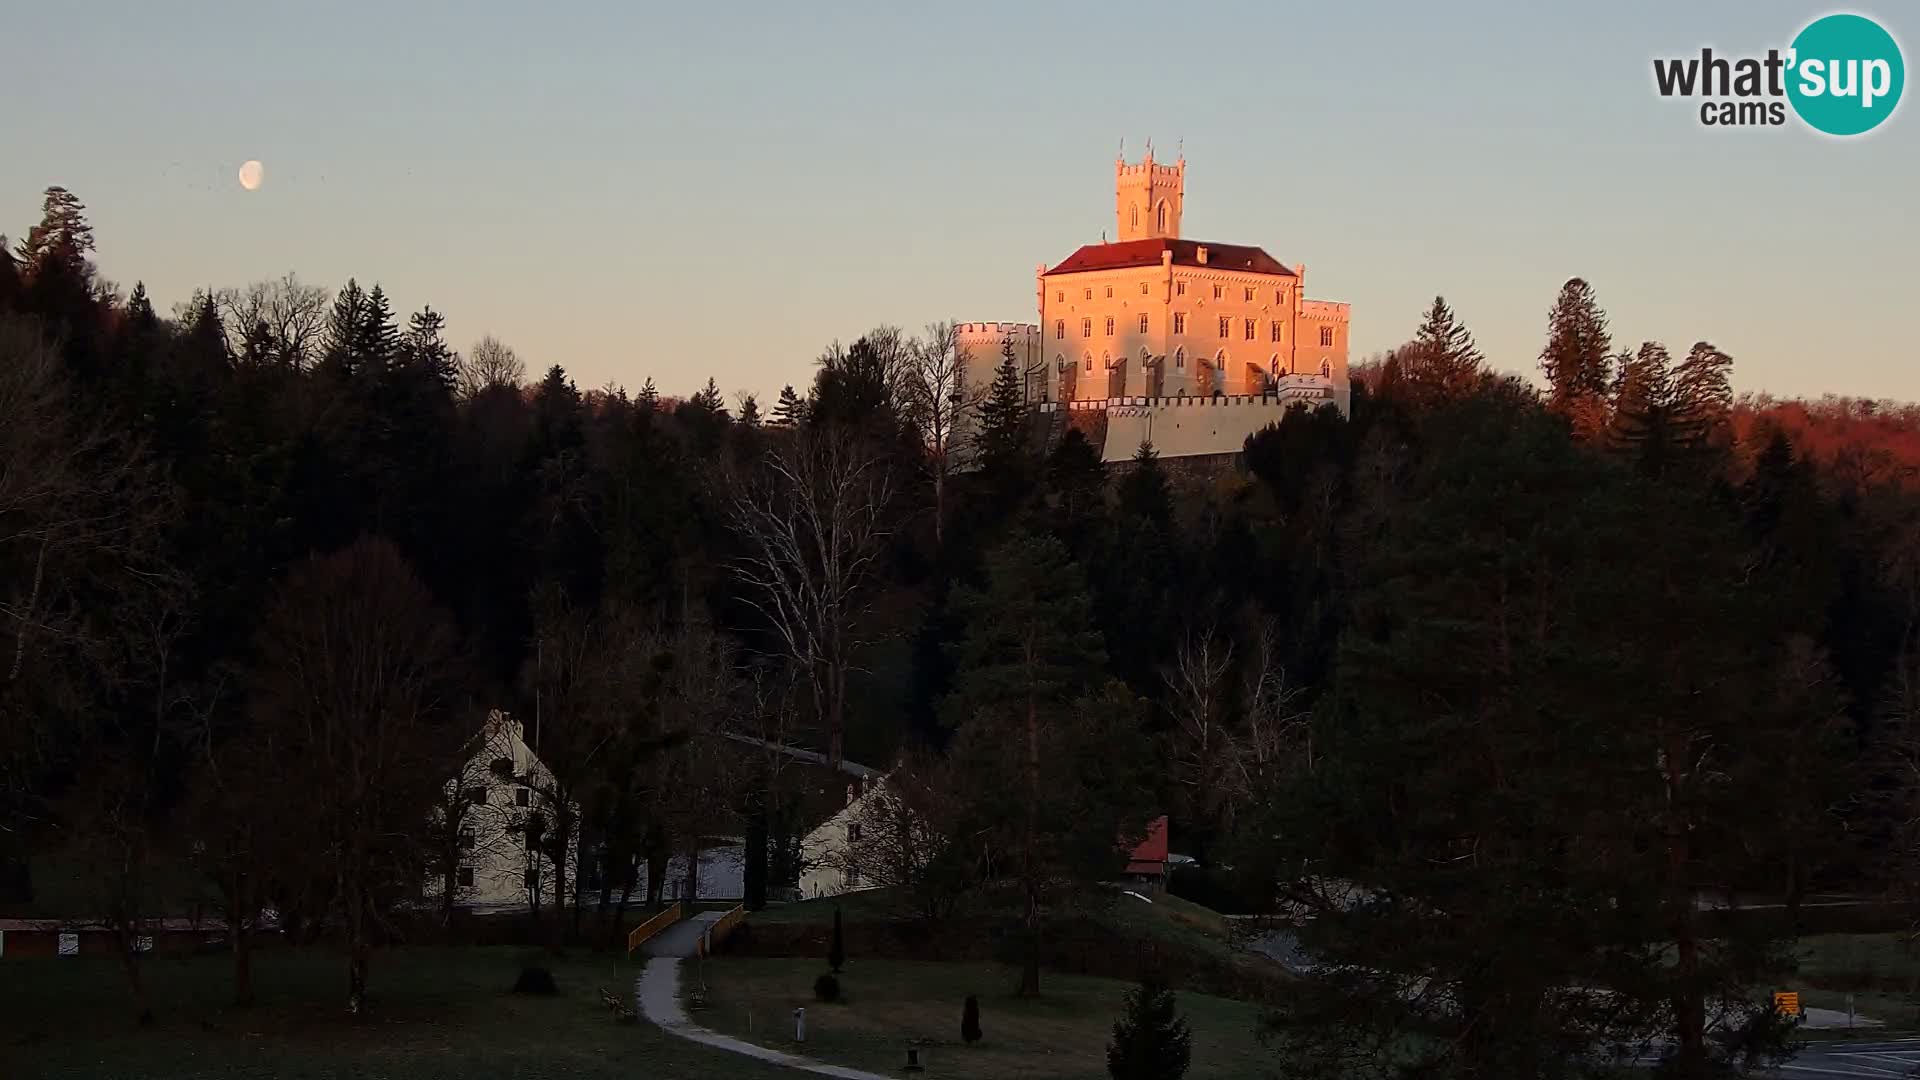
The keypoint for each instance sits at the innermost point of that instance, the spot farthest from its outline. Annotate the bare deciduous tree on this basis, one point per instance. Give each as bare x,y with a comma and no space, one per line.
491,364
910,835
937,400
357,682
812,519
294,313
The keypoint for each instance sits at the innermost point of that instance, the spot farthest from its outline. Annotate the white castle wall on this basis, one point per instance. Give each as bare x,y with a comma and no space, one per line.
1195,427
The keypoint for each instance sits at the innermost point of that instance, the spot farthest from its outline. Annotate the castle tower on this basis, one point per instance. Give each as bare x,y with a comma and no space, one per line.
1147,198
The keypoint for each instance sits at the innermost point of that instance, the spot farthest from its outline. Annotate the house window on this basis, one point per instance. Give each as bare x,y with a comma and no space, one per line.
1247,331
1089,295
522,797
466,877
1109,292
1086,327
1226,326
1143,322
1273,330
1216,292
1179,322
1249,295
1179,288
853,832
466,839
1326,337
1109,326
853,876
1059,328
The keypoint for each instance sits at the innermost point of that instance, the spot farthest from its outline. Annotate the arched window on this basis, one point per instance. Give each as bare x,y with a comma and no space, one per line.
1106,361
1088,357
1180,358
1133,215
1326,369
1160,219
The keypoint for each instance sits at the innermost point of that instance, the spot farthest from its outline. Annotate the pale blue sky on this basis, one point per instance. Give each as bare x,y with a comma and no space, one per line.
634,189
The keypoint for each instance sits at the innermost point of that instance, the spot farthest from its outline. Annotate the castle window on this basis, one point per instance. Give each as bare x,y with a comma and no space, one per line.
1133,215
1060,295
1326,369
1179,358
1086,327
1109,292
1143,322
1216,292
1109,326
1089,358
1273,330
1279,296
1059,328
1179,322
1089,295
1226,326
1162,218
1326,337
1249,295
1179,288
1143,288
1248,331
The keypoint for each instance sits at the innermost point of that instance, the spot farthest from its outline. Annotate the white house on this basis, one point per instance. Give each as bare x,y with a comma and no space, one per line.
503,784
830,854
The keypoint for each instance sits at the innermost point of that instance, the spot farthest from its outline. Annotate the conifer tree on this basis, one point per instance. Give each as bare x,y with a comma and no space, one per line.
1145,493
140,316
1442,363
790,410
1003,427
708,400
376,340
63,236
749,410
1575,359
1150,1040
1643,402
425,347
1702,395
344,329
649,399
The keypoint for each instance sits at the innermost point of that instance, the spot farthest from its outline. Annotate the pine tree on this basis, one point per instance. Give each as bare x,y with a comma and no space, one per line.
1003,421
1442,363
708,400
790,411
649,399
837,948
343,331
1702,396
376,341
749,410
426,349
1643,403
63,236
970,1021
206,340
1145,493
1575,359
140,316
1150,1040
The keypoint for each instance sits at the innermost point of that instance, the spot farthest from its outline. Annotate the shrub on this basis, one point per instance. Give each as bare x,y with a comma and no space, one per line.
827,988
970,1021
1149,1041
534,980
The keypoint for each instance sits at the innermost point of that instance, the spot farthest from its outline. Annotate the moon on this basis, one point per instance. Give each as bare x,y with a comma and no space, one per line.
251,175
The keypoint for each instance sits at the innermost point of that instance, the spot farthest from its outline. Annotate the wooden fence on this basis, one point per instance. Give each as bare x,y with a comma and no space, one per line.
721,928
666,917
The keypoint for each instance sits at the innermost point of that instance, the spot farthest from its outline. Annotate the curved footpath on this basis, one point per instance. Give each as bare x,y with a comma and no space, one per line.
657,993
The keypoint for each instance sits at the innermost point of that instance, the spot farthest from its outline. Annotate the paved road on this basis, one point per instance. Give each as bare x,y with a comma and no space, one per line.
1850,1060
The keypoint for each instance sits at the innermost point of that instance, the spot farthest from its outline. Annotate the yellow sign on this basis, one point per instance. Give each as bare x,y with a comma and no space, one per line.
1786,1003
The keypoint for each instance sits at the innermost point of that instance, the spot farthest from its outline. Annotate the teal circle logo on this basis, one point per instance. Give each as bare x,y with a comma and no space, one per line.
1845,74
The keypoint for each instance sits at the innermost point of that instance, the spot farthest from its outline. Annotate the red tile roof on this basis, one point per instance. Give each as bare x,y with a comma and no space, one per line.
1151,856
1185,253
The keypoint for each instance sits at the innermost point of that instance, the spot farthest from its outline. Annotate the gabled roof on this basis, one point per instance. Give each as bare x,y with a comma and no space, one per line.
1185,253
1151,856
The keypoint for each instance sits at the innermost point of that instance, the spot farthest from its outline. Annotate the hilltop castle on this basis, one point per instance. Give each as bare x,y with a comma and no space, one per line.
1190,345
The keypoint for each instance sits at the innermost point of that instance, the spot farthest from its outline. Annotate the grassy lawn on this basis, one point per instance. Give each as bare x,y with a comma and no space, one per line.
1881,971
436,1013
887,1003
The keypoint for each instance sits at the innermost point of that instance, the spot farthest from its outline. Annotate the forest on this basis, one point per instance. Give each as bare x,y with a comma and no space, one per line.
1485,684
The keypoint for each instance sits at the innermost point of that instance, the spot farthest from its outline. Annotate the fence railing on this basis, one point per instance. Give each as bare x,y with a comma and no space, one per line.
719,930
660,921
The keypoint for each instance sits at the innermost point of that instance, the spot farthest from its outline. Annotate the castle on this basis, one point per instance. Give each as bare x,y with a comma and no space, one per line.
1189,345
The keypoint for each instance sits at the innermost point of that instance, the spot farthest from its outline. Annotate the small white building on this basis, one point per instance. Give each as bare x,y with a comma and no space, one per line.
505,789
830,854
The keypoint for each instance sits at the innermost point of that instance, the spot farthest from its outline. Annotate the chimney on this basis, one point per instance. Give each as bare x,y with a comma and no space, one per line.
1202,256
